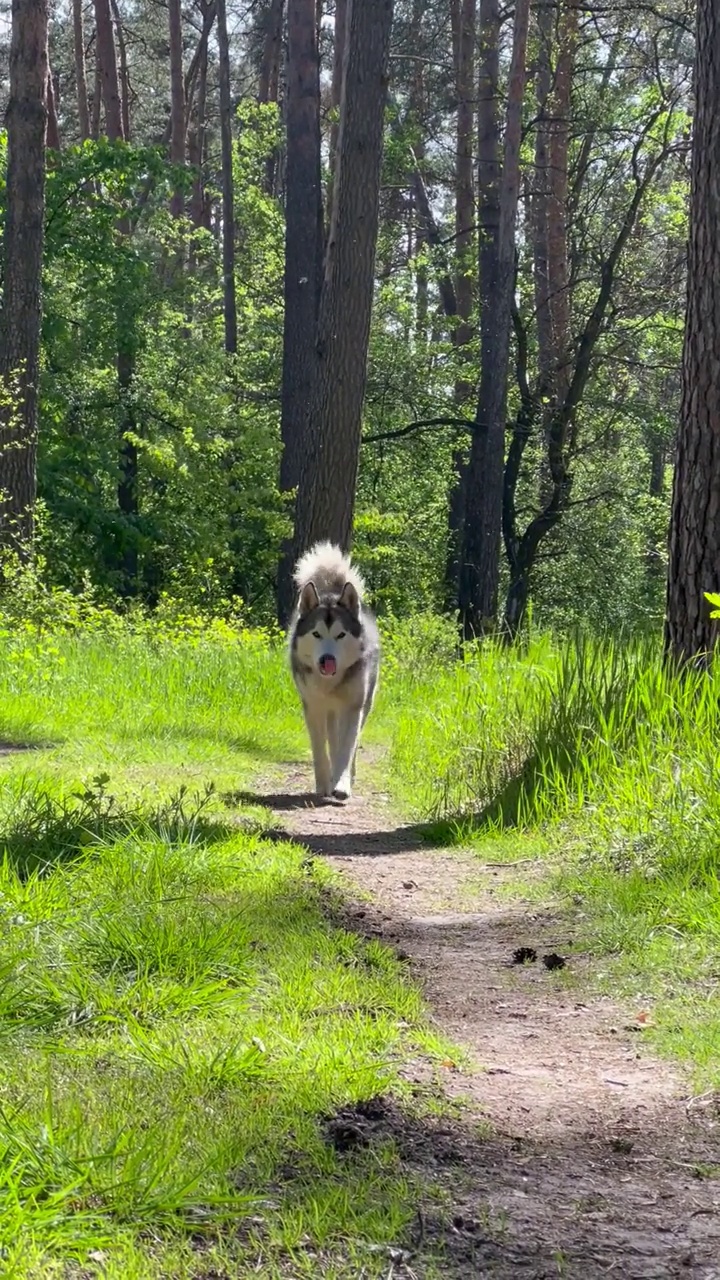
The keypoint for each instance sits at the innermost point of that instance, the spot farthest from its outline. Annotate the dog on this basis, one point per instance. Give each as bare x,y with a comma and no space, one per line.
335,662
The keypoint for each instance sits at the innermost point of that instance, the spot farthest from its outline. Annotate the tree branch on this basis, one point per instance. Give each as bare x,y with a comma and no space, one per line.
424,424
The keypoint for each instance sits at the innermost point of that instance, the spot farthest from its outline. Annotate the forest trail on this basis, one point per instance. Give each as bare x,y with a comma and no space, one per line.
573,1152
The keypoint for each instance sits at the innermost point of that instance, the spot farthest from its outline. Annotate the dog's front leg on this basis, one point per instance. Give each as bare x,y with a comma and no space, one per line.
347,733
316,721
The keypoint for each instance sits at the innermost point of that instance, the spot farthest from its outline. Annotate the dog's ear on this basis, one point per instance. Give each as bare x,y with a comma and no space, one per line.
350,600
309,599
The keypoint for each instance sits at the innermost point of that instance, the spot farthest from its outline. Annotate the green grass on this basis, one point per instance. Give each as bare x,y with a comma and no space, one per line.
179,1005
595,758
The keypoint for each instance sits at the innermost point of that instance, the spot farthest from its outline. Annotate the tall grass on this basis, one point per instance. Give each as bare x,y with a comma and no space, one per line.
616,756
514,737
179,1010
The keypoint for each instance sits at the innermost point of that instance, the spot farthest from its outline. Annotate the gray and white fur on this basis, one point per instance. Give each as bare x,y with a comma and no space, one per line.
335,660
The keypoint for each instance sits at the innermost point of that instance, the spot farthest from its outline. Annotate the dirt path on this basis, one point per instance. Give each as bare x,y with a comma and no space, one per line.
577,1154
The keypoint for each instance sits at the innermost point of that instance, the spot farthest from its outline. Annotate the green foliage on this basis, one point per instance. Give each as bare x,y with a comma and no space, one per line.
207,439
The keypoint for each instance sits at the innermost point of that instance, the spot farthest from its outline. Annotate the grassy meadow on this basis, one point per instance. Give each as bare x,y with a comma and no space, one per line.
179,1009
180,1006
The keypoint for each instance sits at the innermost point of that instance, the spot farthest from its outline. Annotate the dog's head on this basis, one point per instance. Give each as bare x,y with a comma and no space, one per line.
328,632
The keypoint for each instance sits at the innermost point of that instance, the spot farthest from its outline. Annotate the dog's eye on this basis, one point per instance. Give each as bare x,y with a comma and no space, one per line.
317,635
341,635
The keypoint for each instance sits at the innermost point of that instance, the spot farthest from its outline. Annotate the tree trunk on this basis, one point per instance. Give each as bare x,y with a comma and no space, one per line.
107,64
303,257
124,71
541,190
694,565
97,100
195,97
269,79
550,215
557,225
80,74
326,496
177,99
228,189
116,120
26,122
463,24
52,132
339,41
196,141
479,570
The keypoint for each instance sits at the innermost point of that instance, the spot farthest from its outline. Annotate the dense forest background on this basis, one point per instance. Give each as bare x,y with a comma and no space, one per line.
549,143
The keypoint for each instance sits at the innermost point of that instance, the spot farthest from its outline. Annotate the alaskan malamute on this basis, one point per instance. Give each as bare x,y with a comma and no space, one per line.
335,659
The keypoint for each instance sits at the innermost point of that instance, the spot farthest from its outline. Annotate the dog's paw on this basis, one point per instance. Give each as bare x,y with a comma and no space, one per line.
342,791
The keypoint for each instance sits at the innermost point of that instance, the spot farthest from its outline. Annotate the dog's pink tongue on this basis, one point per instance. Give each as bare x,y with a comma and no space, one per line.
327,665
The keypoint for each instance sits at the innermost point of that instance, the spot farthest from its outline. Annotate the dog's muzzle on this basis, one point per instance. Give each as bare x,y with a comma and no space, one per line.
327,665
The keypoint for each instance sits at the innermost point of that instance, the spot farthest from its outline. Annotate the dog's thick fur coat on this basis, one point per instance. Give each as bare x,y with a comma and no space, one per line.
335,660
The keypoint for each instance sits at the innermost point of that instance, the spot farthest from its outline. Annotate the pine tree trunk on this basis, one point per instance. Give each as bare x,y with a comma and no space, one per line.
52,132
489,169
228,190
80,74
269,78
479,570
177,99
339,39
694,565
97,100
326,497
116,118
195,95
303,257
107,65
124,71
464,39
196,142
26,122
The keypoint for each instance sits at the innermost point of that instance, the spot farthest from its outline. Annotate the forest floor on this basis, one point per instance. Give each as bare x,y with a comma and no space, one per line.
570,1151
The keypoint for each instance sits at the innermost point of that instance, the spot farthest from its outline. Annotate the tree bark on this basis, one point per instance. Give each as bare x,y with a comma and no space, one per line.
550,213
177,99
97,100
228,187
107,63
124,71
541,191
694,565
116,121
20,320
52,132
80,73
269,78
196,139
557,224
326,496
339,41
303,257
463,14
479,570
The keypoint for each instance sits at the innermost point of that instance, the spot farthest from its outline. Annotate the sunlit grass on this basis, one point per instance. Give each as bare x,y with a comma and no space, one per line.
598,759
179,1007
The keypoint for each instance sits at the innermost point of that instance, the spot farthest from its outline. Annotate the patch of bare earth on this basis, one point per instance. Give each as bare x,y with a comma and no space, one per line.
577,1153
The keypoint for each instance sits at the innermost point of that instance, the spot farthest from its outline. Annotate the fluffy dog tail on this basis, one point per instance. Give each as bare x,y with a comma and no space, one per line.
327,567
